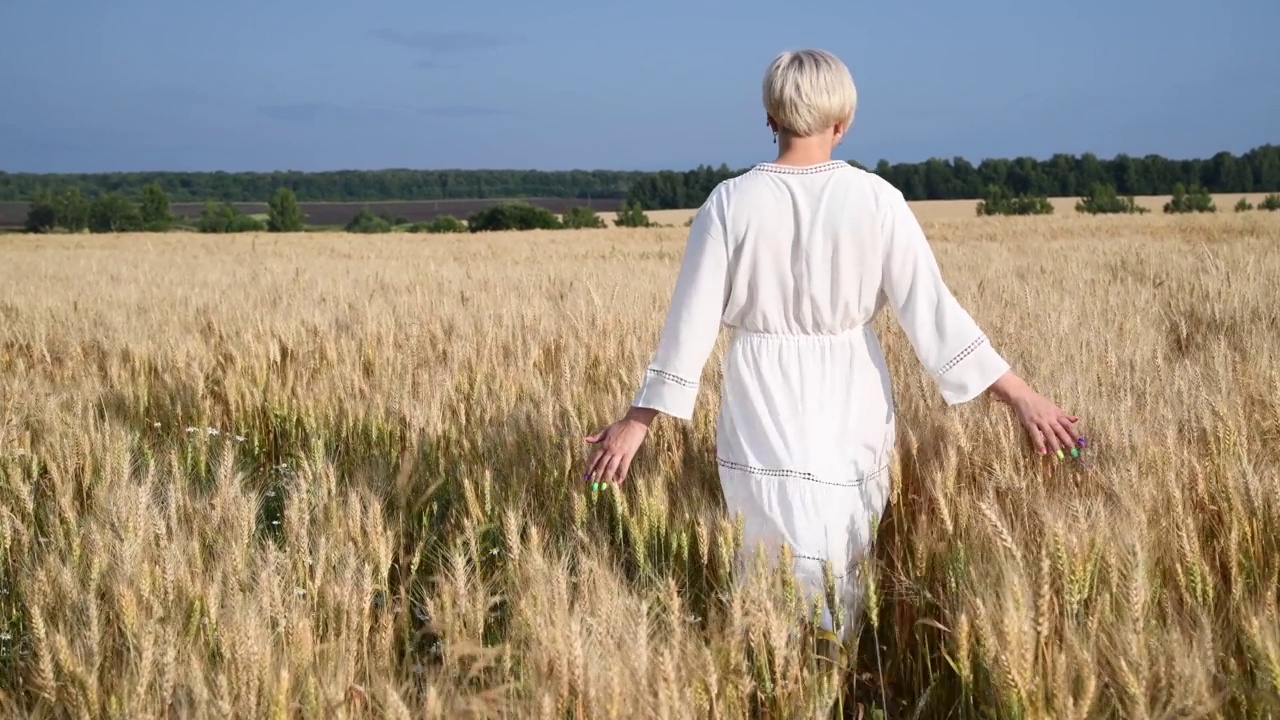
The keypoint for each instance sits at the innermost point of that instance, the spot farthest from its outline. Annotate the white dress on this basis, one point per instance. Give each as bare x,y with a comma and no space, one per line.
797,261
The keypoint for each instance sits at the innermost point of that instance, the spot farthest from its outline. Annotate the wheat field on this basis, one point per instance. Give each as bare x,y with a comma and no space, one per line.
940,210
331,476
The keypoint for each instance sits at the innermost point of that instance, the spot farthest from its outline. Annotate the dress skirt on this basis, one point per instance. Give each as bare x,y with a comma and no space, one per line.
804,439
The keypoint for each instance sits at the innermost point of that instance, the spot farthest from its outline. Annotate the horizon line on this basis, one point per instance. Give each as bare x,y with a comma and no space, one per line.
633,170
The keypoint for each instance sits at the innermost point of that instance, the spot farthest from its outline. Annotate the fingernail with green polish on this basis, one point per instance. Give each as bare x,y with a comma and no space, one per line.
1075,453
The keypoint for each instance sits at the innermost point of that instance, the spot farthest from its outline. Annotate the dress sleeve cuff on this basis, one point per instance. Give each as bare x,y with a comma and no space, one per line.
971,371
667,393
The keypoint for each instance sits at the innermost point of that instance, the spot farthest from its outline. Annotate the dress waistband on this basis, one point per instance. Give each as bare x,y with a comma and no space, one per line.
855,332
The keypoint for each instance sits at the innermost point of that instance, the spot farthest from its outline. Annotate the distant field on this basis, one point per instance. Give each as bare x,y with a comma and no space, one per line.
940,210
13,214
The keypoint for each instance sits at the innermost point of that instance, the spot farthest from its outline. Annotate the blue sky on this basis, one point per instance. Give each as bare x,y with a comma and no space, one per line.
88,85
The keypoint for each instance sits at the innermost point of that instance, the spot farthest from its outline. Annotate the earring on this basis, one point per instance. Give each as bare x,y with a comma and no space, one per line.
775,137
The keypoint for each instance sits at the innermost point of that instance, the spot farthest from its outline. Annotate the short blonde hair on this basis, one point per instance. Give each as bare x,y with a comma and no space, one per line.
808,91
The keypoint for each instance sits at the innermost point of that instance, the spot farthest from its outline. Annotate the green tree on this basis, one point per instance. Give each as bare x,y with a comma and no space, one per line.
283,213
215,217
366,222
1226,170
1000,201
1244,205
73,210
631,215
1103,200
225,218
994,202
154,208
513,216
1186,200
580,218
246,223
440,224
114,213
42,213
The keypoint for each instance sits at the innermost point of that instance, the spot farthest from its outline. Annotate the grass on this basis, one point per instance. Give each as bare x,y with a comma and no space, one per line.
324,476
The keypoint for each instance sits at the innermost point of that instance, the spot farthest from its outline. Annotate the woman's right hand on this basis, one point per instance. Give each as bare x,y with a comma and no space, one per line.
617,445
1048,427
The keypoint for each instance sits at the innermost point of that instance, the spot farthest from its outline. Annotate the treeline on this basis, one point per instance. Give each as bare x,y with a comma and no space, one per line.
113,212
1069,176
1102,199
335,186
71,212
1061,175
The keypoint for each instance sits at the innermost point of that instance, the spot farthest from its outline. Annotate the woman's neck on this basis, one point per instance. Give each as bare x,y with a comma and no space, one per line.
803,151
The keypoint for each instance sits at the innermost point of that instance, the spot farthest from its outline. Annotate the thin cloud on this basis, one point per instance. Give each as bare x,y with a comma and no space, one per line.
444,43
316,112
436,46
464,111
308,113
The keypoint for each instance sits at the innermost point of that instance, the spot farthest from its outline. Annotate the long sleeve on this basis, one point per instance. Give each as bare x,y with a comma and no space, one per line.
945,337
671,380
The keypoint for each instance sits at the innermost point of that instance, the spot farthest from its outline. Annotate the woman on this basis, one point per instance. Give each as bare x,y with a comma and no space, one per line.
797,256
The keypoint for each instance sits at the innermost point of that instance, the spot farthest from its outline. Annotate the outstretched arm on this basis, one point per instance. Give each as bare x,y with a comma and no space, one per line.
944,336
946,339
673,376
671,380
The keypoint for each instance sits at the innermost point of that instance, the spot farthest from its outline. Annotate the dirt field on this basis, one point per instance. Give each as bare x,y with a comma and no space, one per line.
341,477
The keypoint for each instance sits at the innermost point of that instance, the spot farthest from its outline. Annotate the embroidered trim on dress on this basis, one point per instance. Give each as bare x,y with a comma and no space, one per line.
821,561
793,170
960,356
673,378
798,474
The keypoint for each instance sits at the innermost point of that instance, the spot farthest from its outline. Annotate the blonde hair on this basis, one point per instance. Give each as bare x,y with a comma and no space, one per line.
808,91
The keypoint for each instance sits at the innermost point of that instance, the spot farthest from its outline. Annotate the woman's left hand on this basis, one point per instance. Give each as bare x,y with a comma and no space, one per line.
617,446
